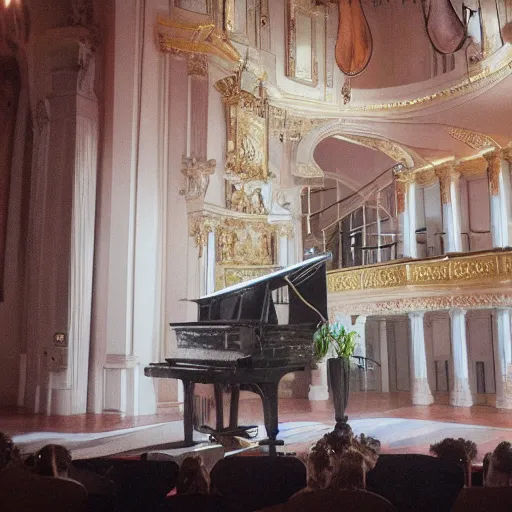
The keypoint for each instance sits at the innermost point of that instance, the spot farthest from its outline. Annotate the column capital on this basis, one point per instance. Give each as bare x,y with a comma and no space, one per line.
507,152
493,170
447,174
454,311
416,314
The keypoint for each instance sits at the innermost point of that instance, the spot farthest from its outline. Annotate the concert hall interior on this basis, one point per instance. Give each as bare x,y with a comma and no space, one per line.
191,190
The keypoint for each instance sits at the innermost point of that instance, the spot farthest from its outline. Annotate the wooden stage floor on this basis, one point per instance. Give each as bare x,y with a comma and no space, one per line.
401,427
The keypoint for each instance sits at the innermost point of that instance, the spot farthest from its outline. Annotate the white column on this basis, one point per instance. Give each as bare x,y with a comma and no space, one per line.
461,393
499,190
318,389
407,210
450,199
421,394
503,359
384,361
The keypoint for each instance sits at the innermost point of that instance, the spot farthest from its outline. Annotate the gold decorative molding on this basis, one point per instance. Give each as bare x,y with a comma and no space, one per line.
290,127
446,174
410,304
472,139
207,39
246,131
228,276
388,147
240,240
479,78
472,167
493,171
450,271
197,64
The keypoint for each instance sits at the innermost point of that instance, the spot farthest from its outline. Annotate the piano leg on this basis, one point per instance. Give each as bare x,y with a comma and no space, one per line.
188,412
268,394
219,407
233,406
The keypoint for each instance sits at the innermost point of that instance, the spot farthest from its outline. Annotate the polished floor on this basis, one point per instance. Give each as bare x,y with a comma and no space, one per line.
392,418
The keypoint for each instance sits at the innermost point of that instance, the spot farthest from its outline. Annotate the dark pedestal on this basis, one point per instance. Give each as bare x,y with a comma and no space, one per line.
339,381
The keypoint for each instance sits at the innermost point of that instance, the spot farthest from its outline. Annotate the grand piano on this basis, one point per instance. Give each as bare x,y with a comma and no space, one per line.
247,337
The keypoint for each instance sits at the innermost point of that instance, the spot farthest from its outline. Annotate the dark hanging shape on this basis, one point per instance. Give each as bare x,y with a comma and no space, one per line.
445,29
354,44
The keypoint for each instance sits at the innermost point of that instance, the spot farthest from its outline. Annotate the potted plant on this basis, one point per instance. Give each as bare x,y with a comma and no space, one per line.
333,338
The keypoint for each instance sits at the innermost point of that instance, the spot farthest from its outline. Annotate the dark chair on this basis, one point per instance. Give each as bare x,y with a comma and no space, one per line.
140,485
342,501
23,491
416,482
198,503
483,499
253,483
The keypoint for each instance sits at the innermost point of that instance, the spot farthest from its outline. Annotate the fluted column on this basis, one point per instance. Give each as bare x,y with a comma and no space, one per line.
503,359
384,361
450,199
318,389
461,393
406,205
499,191
421,394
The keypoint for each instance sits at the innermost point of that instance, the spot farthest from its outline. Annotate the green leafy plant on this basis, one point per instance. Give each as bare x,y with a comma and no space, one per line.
336,336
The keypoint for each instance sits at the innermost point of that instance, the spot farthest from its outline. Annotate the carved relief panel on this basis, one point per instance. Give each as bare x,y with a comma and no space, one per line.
301,26
246,123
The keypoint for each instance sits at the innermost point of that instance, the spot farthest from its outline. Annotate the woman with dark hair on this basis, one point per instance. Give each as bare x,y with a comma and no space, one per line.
53,460
460,451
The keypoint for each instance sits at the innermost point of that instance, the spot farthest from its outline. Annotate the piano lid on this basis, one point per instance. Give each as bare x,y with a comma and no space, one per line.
307,290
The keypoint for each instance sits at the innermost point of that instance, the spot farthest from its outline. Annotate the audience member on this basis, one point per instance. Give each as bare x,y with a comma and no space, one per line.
53,460
319,469
349,473
459,451
193,477
9,453
499,473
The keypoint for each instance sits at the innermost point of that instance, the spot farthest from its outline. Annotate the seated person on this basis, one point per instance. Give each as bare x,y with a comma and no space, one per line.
9,453
460,451
193,477
53,460
499,472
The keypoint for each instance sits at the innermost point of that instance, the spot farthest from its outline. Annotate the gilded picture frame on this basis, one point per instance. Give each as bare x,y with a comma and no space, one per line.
301,51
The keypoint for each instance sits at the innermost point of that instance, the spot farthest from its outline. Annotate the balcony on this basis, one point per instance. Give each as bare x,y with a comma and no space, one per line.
478,280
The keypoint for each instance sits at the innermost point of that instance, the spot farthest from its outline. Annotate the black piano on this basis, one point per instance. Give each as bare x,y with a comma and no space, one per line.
247,337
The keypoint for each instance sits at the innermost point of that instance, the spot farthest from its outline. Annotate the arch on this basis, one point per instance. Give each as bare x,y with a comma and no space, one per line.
306,167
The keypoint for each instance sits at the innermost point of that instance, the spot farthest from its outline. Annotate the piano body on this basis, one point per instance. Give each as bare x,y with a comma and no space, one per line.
239,341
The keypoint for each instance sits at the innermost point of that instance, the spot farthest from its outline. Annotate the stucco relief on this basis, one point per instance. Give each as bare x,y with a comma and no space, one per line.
463,269
406,305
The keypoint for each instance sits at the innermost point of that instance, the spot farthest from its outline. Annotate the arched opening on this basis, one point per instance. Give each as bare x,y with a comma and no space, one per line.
354,214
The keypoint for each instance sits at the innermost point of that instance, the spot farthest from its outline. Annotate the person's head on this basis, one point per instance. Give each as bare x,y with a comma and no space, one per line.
53,460
349,472
499,473
318,465
8,451
193,477
459,451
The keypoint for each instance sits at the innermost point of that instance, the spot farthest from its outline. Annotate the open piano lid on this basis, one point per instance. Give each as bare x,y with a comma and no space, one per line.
251,300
